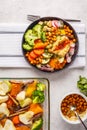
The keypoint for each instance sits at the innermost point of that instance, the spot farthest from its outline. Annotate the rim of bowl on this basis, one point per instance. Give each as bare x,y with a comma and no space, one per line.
63,117
52,18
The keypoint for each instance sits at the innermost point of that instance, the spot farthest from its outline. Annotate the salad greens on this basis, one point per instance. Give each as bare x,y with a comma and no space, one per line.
82,85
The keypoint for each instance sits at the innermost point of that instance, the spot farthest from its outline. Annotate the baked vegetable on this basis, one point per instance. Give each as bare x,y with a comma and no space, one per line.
31,87
36,108
37,125
26,117
4,109
3,99
5,87
25,102
41,86
38,96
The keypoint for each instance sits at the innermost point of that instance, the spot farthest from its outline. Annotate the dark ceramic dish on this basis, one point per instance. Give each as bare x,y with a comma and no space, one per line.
66,23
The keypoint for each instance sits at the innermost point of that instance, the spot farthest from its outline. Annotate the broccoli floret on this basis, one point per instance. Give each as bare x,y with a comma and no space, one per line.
37,125
38,96
41,86
36,99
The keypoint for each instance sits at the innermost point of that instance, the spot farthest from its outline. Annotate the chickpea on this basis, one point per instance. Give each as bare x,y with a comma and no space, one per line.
64,26
74,40
49,24
41,22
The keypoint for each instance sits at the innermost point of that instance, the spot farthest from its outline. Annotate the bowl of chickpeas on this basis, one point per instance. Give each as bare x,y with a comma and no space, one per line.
50,44
77,100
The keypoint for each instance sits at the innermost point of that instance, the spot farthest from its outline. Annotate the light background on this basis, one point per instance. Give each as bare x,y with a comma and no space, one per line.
15,11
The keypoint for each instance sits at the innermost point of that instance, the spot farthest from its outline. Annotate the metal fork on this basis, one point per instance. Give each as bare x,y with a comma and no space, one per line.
35,17
73,108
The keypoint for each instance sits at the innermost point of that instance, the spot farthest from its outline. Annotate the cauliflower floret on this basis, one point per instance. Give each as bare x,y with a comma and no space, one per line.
8,125
24,118
4,109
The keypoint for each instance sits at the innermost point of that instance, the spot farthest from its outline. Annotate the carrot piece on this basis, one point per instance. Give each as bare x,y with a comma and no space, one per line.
38,52
30,58
16,88
22,128
36,108
16,120
54,63
33,55
9,102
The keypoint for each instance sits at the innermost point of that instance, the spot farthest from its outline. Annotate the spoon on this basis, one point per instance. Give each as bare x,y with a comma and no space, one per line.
73,108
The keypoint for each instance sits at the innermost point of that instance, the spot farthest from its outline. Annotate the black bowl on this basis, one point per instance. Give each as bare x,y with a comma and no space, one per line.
66,23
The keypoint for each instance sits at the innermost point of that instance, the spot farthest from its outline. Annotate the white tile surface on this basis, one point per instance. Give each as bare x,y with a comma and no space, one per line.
15,11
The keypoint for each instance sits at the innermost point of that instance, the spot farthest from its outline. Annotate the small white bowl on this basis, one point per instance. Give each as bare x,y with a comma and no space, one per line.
73,121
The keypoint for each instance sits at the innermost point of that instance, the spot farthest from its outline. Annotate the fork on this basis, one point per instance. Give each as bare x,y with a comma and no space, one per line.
35,17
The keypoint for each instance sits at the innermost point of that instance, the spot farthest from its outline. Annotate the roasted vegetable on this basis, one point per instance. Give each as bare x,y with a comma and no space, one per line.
9,125
30,88
5,87
4,109
25,102
26,117
16,120
20,96
16,88
39,44
36,108
37,125
82,84
38,96
23,127
3,99
41,86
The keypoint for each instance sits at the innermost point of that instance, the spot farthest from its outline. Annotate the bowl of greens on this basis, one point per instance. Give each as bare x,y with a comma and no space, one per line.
50,44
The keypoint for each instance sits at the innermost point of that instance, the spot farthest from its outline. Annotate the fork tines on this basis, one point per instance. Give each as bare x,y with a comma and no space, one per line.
32,17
